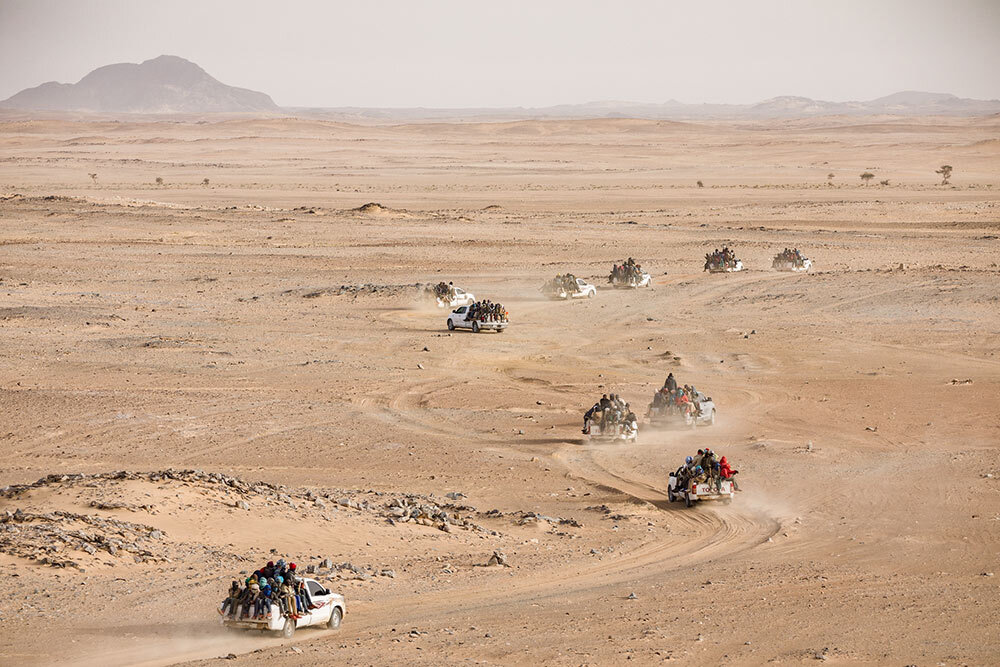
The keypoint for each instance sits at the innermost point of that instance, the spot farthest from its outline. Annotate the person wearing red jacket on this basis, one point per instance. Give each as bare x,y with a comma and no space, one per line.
726,472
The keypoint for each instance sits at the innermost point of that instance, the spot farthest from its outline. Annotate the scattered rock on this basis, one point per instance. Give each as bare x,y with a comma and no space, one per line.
498,558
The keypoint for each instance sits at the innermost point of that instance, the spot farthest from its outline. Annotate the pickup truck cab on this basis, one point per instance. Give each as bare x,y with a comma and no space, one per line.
459,319
328,612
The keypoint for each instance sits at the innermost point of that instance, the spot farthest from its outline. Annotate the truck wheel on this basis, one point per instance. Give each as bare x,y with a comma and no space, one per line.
335,617
670,495
451,325
289,628
475,327
590,294
687,499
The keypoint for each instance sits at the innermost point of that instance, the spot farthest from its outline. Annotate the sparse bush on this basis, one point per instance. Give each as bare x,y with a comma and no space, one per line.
204,181
830,176
159,180
885,182
93,177
867,176
945,172
700,184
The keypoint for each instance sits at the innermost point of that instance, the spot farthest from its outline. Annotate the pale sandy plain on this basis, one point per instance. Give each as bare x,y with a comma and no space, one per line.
195,326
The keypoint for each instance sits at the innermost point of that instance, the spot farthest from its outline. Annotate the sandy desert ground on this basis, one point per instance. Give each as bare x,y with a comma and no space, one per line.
264,326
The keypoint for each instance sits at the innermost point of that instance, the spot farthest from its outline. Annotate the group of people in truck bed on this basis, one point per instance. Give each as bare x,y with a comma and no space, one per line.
274,584
487,311
706,466
672,398
724,258
565,282
612,410
444,291
625,272
791,256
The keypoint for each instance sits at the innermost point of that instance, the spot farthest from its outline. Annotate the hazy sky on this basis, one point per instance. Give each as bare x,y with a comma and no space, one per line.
520,53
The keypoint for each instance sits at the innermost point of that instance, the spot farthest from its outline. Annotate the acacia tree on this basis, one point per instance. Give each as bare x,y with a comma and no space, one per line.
867,176
945,172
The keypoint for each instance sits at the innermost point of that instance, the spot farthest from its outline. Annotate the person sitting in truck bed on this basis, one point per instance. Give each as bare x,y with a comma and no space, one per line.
588,415
262,605
232,600
629,415
726,472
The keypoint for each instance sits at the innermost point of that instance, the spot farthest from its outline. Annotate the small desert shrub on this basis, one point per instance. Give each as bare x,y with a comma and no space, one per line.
93,177
700,184
867,176
885,182
204,181
159,180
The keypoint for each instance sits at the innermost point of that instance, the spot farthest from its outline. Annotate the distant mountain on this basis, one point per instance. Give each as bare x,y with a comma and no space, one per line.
167,84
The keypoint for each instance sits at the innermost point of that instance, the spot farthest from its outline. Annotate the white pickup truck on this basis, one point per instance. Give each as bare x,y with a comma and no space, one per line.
796,266
691,492
459,319
641,279
458,297
584,290
328,611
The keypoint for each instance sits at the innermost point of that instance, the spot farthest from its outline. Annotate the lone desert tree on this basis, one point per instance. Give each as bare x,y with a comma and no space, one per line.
159,180
867,176
945,172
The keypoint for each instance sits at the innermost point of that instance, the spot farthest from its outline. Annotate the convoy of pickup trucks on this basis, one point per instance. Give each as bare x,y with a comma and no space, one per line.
281,610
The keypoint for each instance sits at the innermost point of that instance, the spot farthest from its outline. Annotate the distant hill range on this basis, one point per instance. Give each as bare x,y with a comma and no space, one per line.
167,84
907,103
